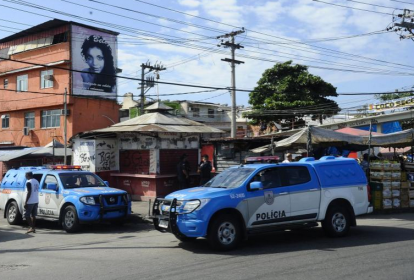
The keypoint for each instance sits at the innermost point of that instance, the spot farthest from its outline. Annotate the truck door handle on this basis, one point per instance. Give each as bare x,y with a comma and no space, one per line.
312,190
283,193
40,194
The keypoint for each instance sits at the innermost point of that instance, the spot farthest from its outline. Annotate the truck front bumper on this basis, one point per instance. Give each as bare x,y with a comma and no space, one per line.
179,224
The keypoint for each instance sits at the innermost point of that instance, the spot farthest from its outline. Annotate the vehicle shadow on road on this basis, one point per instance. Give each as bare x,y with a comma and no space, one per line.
131,225
10,234
307,239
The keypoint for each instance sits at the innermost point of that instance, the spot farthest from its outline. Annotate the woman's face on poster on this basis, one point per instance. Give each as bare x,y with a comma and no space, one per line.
95,59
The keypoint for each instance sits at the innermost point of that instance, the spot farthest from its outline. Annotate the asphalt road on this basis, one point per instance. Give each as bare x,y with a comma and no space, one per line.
381,247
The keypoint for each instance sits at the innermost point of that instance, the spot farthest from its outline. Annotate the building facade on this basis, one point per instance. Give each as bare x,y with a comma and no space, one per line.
32,93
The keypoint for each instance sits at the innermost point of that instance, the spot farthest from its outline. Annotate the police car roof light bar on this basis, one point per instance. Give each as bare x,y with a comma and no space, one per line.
66,167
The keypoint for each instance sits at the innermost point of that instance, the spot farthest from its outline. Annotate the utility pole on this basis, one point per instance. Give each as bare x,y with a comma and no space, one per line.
150,82
65,112
403,24
231,44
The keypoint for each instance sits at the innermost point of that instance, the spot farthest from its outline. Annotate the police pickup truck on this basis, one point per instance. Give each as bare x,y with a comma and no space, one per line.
66,194
258,198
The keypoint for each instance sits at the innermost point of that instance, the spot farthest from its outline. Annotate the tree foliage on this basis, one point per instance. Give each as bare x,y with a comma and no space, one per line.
294,93
396,95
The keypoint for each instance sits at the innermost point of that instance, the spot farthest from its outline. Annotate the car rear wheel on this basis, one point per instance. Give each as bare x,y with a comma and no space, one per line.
13,215
224,233
70,221
337,222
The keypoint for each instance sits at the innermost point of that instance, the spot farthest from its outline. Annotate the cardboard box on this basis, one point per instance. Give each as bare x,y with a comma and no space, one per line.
395,185
405,185
396,203
405,197
403,176
386,193
396,193
405,204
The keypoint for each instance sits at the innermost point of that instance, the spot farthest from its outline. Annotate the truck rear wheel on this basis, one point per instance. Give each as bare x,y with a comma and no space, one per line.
337,222
13,215
70,221
224,233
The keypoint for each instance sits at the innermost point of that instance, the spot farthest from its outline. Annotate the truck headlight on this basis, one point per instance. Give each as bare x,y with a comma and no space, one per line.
90,200
192,205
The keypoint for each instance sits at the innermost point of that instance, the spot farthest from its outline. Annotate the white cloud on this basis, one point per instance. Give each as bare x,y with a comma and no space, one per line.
189,3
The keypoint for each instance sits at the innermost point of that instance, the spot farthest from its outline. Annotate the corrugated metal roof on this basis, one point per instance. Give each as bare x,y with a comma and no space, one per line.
8,155
158,106
158,122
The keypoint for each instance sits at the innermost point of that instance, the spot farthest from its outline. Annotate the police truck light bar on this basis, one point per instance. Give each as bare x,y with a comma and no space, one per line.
66,167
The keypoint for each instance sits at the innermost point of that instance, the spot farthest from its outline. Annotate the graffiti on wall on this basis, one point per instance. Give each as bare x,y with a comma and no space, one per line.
106,157
134,162
84,154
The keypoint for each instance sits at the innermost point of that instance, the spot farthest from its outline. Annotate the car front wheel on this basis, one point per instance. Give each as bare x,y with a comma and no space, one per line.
13,215
70,221
224,233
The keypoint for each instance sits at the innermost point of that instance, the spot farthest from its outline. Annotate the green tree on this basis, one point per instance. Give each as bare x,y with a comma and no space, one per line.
395,95
287,93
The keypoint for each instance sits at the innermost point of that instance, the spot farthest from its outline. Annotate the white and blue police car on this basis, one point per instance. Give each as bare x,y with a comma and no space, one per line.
258,198
66,194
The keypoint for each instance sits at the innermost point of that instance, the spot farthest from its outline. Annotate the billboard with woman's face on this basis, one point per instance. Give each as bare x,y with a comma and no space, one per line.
94,53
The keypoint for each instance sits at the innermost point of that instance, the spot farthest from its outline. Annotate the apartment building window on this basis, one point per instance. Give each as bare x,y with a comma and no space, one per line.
29,120
211,113
22,82
51,118
5,121
6,83
196,112
46,79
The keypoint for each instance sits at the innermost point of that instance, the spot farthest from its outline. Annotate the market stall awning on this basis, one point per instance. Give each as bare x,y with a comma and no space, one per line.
332,138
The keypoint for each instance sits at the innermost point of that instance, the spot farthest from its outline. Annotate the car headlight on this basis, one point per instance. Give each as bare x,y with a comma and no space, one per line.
90,200
192,205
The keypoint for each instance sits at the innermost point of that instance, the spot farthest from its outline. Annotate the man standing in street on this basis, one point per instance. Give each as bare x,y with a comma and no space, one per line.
288,158
32,200
204,169
183,173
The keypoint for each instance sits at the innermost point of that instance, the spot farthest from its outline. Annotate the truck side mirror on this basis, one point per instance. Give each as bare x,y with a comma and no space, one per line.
255,186
52,187
106,183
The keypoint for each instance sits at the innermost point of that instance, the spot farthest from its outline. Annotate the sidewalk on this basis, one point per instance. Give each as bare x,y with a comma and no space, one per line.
140,208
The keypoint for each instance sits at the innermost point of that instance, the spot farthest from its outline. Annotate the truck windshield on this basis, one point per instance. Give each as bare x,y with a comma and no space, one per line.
80,180
230,178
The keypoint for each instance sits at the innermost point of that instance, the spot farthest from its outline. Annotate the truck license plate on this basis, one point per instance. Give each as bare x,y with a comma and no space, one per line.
163,224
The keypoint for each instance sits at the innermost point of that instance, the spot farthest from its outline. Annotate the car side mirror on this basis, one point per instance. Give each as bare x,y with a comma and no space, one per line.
52,187
106,183
255,186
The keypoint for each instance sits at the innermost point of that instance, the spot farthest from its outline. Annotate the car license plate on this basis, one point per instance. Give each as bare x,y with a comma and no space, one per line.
163,224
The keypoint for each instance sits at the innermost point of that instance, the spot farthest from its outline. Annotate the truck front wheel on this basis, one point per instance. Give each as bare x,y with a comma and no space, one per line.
13,215
224,233
70,221
337,222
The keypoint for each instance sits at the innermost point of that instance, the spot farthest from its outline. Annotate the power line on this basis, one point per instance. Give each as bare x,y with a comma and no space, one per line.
268,35
348,7
188,46
402,2
375,5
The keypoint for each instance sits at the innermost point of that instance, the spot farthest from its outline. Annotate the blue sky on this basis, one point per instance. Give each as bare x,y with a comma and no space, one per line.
295,20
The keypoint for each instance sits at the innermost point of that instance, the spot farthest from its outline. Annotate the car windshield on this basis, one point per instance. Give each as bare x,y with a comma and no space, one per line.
80,180
230,178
